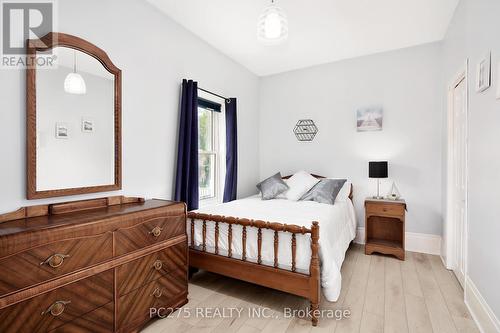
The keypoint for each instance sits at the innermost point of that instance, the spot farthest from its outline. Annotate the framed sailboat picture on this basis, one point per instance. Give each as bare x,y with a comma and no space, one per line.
370,119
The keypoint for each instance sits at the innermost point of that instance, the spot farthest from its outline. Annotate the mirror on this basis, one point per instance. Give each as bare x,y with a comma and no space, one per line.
73,118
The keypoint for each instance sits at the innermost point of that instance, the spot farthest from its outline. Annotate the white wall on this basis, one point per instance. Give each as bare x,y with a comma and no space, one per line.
475,30
154,54
405,83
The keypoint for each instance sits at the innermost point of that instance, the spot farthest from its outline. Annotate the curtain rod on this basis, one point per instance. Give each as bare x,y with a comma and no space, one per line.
209,92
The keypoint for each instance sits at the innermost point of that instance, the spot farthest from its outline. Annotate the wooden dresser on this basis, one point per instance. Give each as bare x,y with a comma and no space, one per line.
91,266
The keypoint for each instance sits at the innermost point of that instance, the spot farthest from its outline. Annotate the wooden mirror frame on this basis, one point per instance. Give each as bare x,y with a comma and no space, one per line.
45,43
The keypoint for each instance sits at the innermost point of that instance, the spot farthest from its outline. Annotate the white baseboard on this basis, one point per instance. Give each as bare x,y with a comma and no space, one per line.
444,263
360,236
414,242
480,310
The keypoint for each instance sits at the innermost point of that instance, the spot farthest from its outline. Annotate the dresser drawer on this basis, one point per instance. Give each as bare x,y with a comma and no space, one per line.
166,292
54,309
46,262
149,268
150,232
97,321
385,209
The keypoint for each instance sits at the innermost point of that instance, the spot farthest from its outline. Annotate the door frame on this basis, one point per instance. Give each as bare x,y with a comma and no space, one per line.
450,250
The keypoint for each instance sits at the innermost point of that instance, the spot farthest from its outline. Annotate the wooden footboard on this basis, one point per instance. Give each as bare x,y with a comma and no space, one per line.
290,281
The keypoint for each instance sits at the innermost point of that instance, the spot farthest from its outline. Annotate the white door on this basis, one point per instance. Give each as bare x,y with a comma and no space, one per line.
459,176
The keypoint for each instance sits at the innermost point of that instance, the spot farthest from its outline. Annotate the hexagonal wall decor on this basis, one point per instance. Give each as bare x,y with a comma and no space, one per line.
305,130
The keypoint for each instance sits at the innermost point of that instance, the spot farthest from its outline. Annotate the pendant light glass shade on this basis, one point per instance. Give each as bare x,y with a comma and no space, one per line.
74,82
273,25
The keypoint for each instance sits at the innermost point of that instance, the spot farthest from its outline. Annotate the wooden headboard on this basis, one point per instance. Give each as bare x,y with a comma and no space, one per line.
351,195
312,174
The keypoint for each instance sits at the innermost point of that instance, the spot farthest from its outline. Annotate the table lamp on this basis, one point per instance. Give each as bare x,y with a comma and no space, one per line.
378,170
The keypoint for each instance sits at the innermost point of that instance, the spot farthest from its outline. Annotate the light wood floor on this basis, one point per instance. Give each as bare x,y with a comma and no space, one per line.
382,294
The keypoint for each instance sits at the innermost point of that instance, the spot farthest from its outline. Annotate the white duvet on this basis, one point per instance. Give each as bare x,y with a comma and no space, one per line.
337,229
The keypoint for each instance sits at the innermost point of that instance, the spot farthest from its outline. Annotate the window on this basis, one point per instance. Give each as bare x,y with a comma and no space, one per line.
208,153
211,157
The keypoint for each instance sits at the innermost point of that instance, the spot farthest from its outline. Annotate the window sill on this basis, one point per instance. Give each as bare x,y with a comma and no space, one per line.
209,202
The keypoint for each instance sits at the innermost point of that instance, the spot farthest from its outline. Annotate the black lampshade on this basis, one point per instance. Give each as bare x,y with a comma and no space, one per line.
378,169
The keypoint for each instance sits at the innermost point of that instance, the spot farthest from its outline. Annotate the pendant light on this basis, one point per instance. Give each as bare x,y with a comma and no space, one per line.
272,27
74,83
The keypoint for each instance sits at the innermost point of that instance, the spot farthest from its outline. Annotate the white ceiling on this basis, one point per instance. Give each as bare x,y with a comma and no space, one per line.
320,31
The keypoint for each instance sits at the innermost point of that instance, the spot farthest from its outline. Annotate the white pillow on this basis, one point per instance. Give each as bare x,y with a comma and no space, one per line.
344,192
299,184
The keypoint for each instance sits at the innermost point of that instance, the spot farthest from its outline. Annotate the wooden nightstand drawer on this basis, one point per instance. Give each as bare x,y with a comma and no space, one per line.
385,209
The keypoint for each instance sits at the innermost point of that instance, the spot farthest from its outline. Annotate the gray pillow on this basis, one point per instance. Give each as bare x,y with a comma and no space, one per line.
272,187
325,191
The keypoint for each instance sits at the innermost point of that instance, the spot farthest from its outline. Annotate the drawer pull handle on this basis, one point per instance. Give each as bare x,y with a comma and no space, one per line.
156,231
158,265
55,260
57,308
157,293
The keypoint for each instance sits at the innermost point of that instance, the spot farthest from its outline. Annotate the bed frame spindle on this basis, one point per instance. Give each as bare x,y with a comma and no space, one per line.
244,241
276,244
204,246
314,273
294,251
259,246
192,232
229,240
216,237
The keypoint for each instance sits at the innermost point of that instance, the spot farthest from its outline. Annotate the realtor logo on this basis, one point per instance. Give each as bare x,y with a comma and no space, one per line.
21,21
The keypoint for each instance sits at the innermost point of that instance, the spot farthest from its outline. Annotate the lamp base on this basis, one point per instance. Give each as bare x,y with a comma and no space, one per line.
378,196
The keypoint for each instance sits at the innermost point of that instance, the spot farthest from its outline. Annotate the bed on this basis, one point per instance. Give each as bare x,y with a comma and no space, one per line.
293,246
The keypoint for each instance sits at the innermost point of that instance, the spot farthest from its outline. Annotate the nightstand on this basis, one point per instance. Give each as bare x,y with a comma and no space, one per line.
385,227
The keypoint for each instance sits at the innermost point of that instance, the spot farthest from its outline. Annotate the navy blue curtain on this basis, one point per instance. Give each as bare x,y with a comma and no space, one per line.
231,151
186,182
